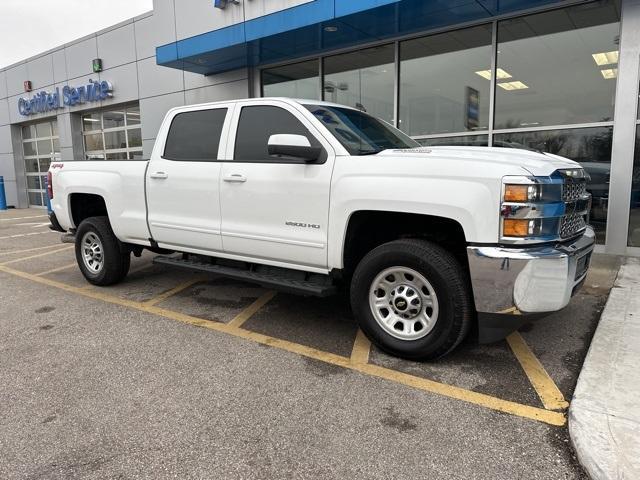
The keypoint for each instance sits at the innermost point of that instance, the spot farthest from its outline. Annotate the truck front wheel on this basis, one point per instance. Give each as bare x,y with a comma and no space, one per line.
412,299
102,258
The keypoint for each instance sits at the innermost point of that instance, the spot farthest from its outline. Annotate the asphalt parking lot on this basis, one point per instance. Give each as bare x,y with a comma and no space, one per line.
178,375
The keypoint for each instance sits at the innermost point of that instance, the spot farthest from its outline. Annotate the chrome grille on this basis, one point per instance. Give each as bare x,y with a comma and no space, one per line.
572,224
573,190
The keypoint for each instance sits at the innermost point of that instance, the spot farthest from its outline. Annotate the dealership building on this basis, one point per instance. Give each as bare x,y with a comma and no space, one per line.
557,76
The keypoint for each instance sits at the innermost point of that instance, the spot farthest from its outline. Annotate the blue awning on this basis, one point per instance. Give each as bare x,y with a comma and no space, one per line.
302,30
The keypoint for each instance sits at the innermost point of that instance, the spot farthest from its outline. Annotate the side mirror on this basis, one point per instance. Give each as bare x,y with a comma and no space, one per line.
293,146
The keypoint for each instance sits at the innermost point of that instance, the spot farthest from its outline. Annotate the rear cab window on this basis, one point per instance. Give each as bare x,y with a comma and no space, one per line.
195,136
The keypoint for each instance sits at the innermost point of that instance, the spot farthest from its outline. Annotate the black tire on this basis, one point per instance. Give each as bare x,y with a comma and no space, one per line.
116,257
449,281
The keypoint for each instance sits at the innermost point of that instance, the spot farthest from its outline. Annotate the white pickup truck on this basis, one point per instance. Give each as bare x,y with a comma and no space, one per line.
307,197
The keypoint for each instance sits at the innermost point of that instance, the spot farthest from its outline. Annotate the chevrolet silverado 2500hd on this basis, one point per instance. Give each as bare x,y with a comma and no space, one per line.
306,196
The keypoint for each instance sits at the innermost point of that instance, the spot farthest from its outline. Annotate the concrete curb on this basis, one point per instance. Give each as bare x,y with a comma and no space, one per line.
604,417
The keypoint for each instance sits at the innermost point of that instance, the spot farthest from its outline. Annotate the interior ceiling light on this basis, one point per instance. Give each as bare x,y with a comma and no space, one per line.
605,58
609,73
330,28
517,85
500,73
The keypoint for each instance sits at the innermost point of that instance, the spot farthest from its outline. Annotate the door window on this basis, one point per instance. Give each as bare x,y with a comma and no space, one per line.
195,136
257,124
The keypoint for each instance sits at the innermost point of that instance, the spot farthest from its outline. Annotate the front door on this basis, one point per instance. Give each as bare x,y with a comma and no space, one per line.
272,208
183,182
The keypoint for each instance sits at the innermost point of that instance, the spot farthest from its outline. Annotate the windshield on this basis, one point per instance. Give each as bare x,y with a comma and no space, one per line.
359,133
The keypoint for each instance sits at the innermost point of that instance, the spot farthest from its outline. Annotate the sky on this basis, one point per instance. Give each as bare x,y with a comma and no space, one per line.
29,27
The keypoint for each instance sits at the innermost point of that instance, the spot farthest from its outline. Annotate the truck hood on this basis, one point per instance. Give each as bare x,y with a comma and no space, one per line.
535,163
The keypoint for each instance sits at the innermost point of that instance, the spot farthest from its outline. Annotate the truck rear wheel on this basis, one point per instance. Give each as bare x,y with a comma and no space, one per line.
412,299
102,258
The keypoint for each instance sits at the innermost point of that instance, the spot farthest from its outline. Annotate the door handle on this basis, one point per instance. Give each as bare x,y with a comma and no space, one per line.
159,175
235,177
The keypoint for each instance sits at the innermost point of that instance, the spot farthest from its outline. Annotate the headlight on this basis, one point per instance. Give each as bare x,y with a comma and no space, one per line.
543,209
521,193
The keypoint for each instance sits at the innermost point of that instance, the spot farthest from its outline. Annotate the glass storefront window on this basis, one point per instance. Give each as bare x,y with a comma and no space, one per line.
362,79
114,140
93,142
113,134
134,137
113,119
299,80
29,149
558,67
43,129
40,144
45,147
91,121
464,140
445,82
133,116
634,214
28,131
591,147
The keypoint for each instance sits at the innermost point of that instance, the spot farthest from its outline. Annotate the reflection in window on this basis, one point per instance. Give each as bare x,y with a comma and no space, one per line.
634,214
558,67
464,140
445,82
362,79
591,147
299,80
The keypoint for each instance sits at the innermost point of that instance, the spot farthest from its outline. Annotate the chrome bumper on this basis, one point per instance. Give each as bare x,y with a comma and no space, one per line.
528,280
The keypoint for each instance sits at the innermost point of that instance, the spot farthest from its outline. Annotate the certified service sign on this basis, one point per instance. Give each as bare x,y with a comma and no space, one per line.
46,101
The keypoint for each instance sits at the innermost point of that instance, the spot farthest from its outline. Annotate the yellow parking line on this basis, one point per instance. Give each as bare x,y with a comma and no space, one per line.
547,390
361,349
29,249
248,312
450,391
183,286
53,270
36,256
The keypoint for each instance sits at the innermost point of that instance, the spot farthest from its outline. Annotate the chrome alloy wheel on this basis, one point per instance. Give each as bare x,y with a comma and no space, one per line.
92,252
404,303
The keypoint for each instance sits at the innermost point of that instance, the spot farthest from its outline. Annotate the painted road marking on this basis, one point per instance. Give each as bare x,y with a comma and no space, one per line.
22,259
53,270
27,234
361,349
548,391
29,249
163,296
450,391
248,312
22,218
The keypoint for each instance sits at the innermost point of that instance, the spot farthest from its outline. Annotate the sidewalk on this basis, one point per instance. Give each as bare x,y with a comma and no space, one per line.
604,417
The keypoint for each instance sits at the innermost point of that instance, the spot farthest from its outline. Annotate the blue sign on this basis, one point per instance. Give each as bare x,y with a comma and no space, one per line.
46,101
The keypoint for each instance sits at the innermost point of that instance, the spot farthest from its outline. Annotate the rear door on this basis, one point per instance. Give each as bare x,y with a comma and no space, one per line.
183,180
274,209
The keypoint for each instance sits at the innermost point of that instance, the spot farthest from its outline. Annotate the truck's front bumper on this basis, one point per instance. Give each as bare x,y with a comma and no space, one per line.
511,283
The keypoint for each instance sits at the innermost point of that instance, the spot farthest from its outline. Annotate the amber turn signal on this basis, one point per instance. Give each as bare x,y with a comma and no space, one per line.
516,227
516,193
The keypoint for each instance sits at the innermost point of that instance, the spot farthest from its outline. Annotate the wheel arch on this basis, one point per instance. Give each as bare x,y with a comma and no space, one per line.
368,229
85,205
